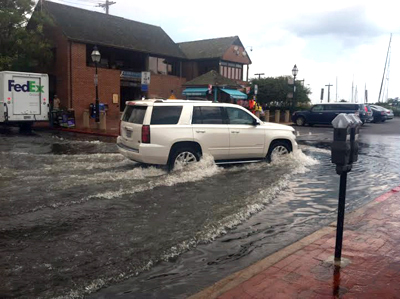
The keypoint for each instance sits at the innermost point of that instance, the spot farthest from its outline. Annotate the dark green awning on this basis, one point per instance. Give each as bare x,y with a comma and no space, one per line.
200,91
235,94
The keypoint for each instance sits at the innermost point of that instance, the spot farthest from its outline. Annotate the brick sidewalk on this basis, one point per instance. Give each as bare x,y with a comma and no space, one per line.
370,261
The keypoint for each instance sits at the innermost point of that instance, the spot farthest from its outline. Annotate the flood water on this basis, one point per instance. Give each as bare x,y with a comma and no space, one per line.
77,217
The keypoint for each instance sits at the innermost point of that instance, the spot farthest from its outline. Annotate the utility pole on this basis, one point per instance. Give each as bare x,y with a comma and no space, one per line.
259,75
329,91
336,88
106,5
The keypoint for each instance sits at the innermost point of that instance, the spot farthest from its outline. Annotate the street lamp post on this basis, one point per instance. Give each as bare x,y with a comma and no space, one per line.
96,59
295,70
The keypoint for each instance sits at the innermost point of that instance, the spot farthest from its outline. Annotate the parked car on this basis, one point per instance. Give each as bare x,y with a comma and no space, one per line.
389,112
379,114
170,132
325,113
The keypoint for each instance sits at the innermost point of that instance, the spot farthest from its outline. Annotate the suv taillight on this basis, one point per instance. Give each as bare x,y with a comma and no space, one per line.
145,134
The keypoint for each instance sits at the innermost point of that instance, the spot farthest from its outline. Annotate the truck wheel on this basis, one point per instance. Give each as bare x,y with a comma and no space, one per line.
300,121
183,156
276,149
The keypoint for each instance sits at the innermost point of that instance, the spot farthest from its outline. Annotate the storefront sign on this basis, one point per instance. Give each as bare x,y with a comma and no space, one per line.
131,75
145,78
115,98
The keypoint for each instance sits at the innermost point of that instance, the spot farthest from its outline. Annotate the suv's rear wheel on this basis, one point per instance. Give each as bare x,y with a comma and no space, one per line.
277,149
183,156
300,121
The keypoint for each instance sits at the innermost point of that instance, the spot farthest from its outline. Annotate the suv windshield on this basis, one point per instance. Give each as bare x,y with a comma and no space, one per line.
134,114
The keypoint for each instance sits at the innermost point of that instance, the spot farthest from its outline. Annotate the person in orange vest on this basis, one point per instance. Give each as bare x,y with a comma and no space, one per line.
172,96
251,105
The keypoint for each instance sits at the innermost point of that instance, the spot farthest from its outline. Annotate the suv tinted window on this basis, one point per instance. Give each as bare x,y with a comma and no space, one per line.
166,115
331,107
208,115
317,108
134,114
239,117
350,107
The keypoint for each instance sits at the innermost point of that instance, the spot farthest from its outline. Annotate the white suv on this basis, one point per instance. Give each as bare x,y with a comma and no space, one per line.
168,132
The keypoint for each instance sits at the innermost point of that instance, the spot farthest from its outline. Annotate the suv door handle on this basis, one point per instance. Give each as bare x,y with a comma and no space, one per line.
235,132
200,131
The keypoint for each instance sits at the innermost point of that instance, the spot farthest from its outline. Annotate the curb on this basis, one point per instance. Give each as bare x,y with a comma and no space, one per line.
86,132
235,279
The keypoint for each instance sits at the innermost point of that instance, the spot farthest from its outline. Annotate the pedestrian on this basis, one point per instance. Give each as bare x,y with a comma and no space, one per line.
54,109
56,103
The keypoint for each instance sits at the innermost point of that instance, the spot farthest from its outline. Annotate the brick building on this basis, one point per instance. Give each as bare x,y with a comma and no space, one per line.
127,48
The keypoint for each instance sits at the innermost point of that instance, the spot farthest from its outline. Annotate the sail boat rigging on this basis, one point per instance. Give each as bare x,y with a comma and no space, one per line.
384,70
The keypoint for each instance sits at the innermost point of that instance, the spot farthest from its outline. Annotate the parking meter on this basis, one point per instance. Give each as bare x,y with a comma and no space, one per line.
341,145
354,132
92,110
344,149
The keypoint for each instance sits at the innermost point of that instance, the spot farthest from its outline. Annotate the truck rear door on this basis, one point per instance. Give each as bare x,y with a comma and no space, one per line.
26,95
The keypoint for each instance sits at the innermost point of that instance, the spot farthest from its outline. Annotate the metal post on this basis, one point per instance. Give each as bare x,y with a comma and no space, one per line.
97,95
294,93
340,219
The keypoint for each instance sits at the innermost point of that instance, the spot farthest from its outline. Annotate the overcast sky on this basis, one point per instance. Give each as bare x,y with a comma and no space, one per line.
337,41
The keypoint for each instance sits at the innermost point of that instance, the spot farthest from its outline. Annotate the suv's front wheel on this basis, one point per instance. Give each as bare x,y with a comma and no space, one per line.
276,149
183,156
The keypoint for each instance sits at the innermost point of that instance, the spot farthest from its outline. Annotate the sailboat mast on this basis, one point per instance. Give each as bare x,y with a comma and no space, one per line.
384,70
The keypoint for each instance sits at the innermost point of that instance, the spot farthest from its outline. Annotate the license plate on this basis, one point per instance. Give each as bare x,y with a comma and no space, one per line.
128,133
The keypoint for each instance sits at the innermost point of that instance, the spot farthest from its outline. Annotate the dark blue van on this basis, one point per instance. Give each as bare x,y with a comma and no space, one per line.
325,113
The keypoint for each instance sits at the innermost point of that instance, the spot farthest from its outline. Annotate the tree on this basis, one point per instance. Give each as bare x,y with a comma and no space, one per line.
23,46
277,92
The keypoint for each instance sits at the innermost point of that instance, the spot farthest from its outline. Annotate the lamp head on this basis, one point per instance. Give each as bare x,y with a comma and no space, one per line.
95,55
295,70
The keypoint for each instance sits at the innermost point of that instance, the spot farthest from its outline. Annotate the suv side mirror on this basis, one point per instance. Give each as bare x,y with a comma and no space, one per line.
256,122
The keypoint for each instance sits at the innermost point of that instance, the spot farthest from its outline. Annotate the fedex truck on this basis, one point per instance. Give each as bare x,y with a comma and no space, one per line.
24,98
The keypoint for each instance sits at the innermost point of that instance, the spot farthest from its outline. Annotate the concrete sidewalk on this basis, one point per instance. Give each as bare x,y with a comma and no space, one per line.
370,265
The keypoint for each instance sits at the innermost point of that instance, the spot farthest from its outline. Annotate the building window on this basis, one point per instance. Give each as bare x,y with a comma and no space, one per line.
159,66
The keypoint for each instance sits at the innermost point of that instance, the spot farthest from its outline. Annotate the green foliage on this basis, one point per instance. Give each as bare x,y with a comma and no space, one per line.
23,46
277,92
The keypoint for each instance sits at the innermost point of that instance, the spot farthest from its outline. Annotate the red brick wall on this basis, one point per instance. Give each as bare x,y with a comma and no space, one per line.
60,67
83,88
231,55
190,70
161,86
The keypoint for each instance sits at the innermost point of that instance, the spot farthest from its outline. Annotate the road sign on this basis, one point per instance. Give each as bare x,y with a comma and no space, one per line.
145,78
145,87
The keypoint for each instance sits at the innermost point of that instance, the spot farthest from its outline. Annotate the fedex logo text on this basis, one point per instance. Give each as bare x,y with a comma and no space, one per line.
30,86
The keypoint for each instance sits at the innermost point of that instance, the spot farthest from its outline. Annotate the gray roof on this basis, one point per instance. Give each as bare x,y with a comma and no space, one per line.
213,78
208,48
98,28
